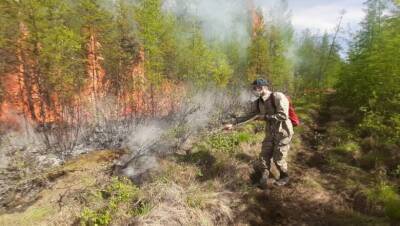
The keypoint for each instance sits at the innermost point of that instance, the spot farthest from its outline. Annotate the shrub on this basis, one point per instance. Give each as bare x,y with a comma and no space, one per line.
90,217
384,129
118,192
387,196
228,143
348,148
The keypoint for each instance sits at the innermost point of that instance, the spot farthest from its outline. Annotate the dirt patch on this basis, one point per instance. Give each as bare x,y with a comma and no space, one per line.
319,193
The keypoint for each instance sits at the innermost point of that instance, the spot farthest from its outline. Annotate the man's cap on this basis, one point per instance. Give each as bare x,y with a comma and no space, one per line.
260,82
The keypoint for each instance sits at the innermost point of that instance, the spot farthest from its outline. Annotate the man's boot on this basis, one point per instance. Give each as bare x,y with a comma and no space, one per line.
283,179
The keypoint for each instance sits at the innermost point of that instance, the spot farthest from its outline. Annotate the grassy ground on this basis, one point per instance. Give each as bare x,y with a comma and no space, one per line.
211,184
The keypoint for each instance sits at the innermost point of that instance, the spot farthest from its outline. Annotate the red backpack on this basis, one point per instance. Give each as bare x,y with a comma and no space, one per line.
292,113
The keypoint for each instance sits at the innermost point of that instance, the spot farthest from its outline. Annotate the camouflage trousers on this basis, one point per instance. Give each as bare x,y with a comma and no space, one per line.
275,149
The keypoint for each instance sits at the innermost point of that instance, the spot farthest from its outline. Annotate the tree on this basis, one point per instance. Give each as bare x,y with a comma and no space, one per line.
258,53
9,32
319,63
369,84
120,49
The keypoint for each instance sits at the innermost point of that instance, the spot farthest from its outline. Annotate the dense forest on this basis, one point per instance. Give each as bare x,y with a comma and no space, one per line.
67,62
122,48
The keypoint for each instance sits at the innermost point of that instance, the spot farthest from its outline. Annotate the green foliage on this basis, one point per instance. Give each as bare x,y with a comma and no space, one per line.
387,196
142,209
369,84
319,62
347,148
280,35
121,190
200,63
53,43
90,217
60,46
8,34
396,172
117,193
228,143
258,56
174,46
376,125
267,52
120,48
151,31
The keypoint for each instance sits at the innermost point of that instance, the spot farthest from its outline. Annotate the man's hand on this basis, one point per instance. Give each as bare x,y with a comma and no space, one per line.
269,117
228,127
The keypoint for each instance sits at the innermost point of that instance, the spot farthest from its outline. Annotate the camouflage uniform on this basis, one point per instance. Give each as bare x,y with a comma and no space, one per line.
279,130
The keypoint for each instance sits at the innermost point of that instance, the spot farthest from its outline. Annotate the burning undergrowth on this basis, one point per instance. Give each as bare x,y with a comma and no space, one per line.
144,139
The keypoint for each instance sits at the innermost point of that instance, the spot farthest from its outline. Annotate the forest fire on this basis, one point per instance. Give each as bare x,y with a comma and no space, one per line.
181,112
23,99
26,96
256,18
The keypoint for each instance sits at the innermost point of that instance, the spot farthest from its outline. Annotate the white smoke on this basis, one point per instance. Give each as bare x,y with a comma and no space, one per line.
198,113
143,138
145,134
219,19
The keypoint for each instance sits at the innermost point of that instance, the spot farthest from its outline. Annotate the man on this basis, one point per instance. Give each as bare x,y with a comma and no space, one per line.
274,109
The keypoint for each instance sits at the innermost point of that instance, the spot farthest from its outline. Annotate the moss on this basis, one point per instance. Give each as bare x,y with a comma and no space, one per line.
346,152
33,216
348,147
311,183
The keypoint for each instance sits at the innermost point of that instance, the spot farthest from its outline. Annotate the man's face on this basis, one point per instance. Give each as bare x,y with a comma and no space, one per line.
258,91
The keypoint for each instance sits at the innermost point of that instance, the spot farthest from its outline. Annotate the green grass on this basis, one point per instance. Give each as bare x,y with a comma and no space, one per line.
227,142
348,150
33,216
142,209
195,200
387,196
119,192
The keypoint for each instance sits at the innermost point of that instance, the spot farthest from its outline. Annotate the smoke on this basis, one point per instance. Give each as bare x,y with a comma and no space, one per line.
219,19
143,138
145,134
198,113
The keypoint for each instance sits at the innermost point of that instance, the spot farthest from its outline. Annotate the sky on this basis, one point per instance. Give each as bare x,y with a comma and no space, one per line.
323,15
221,18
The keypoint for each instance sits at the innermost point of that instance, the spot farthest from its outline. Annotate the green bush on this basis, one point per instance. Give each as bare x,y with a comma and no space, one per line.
387,130
396,171
387,196
340,135
348,148
228,143
117,192
90,217
243,137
